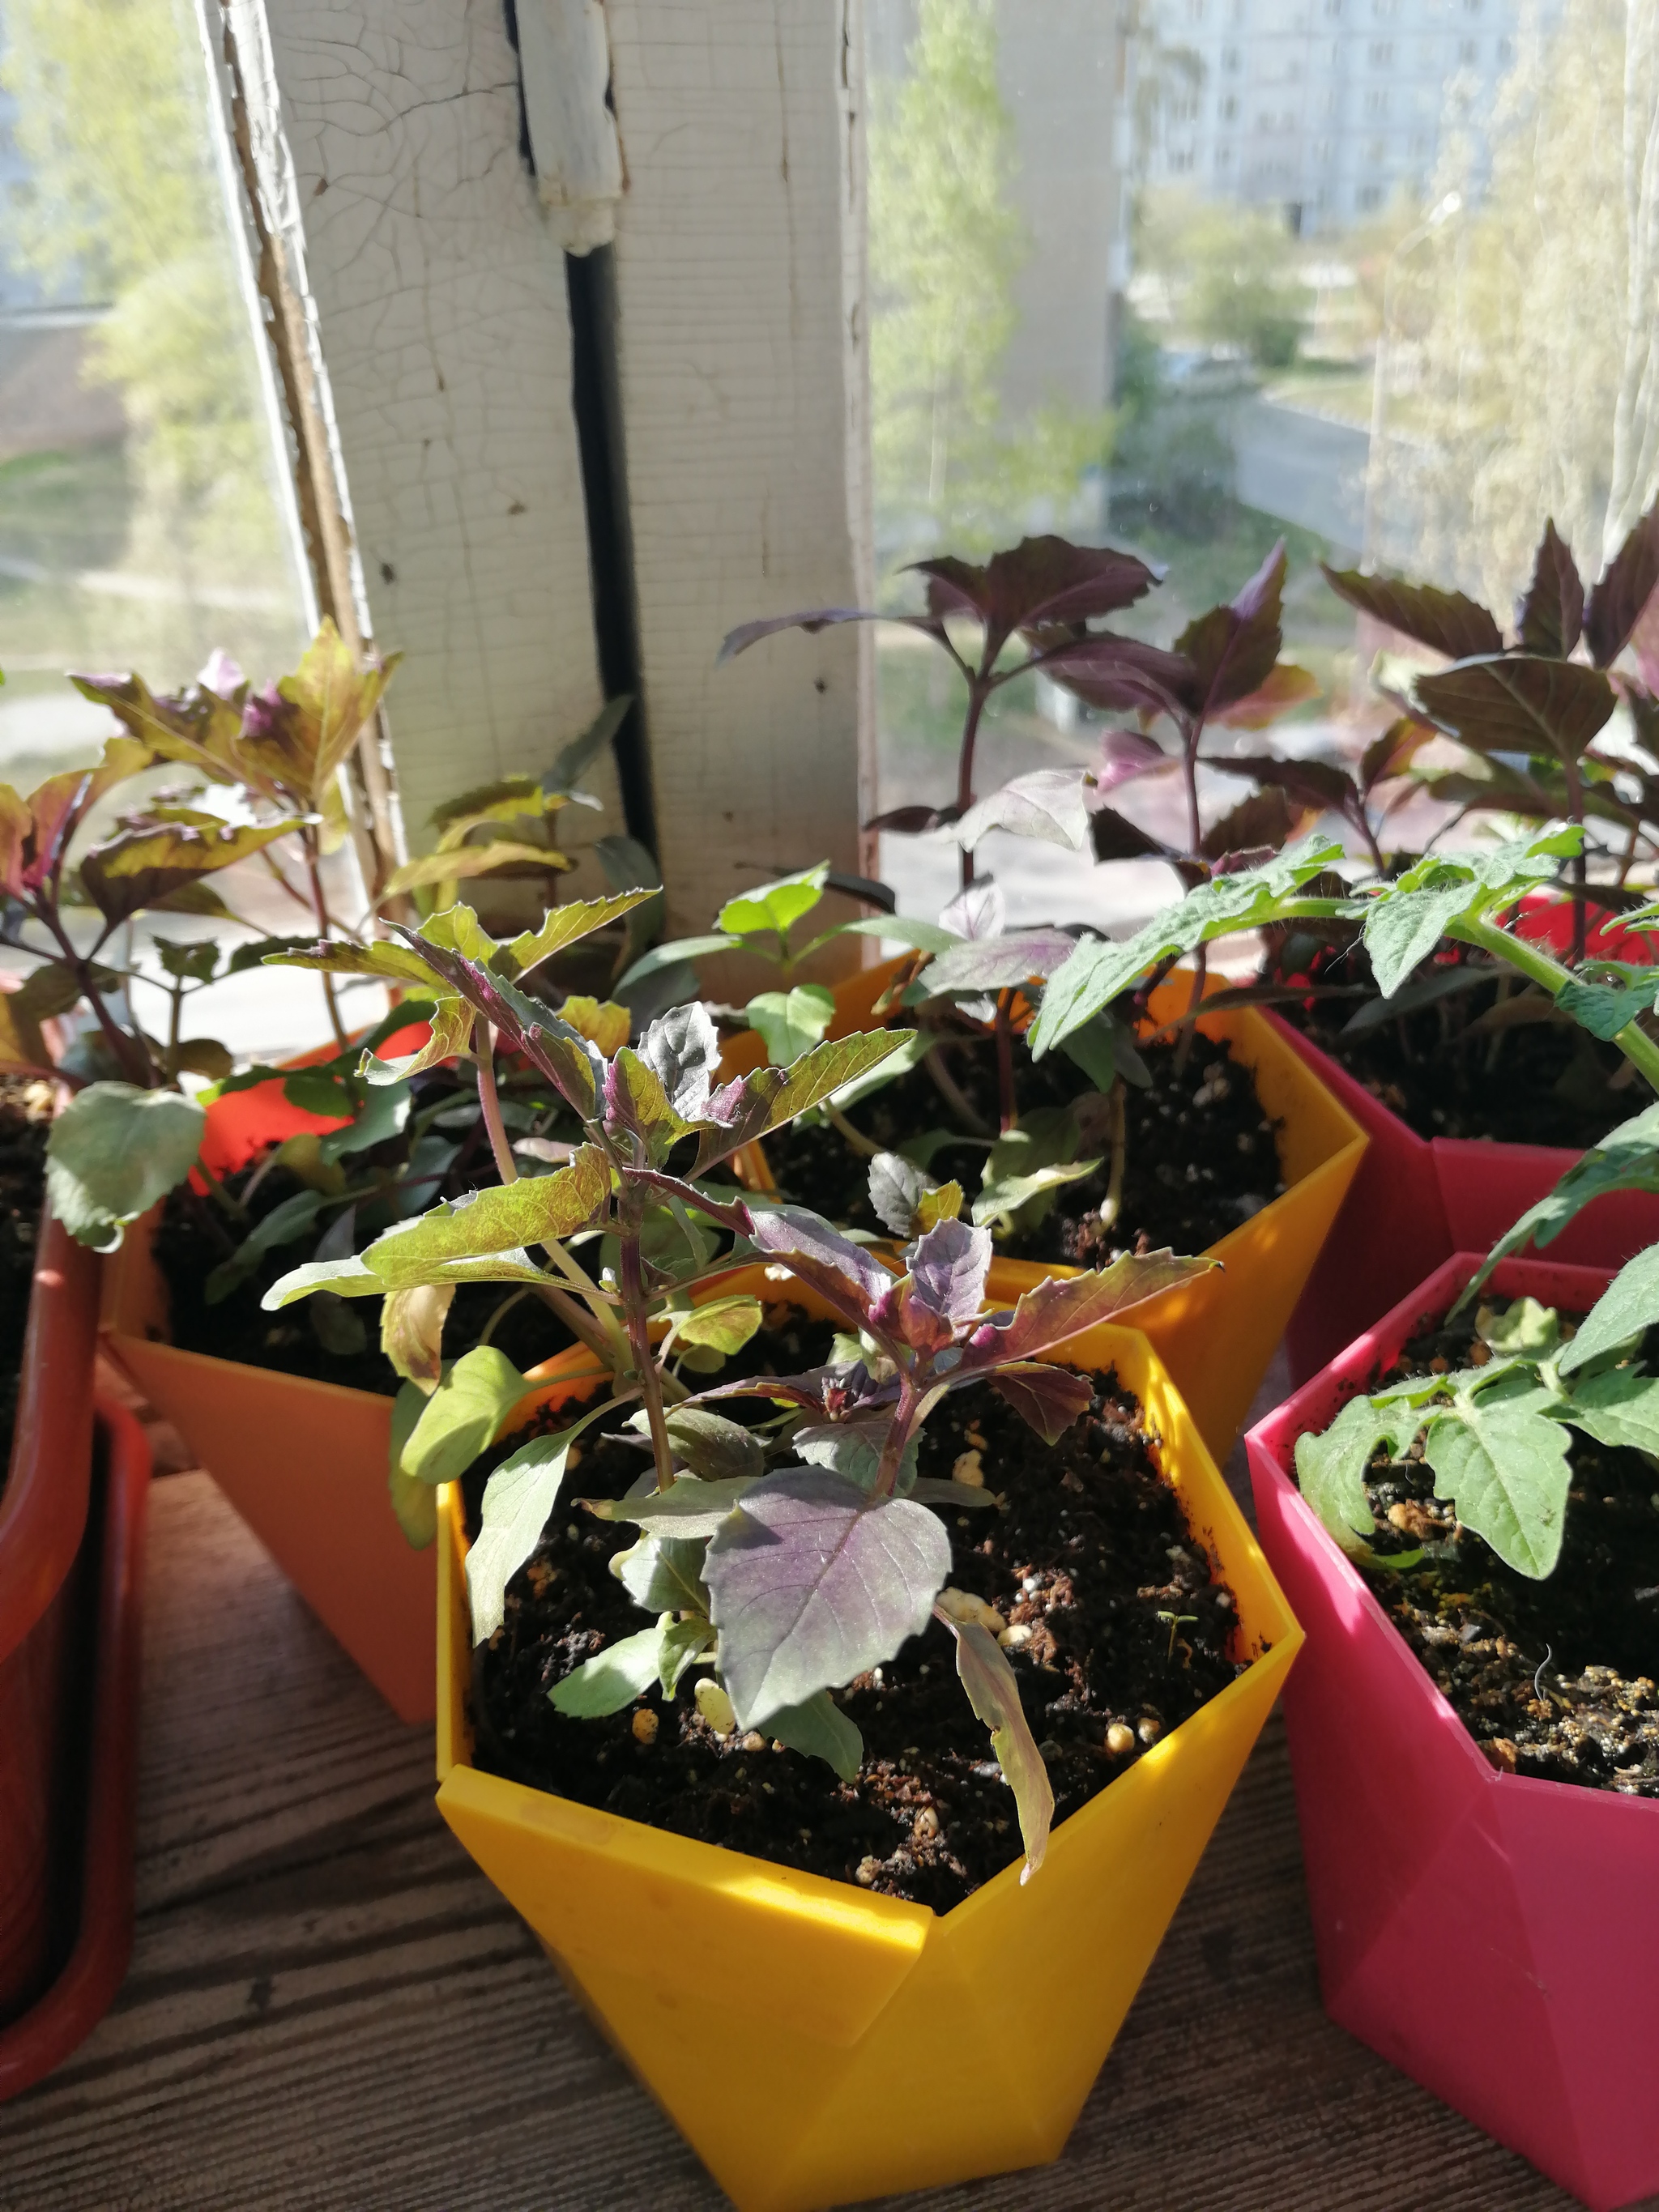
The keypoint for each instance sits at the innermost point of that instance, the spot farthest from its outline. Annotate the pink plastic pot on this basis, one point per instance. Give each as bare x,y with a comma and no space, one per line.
1416,1200
1495,1937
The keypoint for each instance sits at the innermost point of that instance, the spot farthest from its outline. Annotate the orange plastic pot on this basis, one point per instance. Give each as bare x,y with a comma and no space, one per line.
43,1527
816,2045
304,1463
1218,1334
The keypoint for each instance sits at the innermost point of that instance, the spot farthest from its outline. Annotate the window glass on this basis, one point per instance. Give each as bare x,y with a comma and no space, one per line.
1379,277
141,524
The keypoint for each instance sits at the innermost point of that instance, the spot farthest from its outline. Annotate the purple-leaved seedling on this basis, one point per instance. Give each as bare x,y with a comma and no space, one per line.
784,1581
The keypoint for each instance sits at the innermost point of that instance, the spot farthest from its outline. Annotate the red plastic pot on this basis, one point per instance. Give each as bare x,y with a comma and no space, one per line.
107,1781
1416,1200
1494,1937
43,1526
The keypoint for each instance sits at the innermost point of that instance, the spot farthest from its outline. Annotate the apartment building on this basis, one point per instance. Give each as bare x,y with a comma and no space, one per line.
1327,108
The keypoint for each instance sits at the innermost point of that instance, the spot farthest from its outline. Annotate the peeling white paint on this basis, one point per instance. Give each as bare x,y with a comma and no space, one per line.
565,57
439,302
734,365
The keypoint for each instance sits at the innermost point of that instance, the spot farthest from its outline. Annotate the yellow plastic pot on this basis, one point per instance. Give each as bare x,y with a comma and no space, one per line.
1216,1335
816,2045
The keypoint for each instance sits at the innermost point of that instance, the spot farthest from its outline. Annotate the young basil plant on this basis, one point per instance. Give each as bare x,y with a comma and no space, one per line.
813,1571
1495,1436
130,1133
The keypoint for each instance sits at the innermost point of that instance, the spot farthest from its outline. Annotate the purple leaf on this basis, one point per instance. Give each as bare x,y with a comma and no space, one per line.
1233,648
979,911
1114,837
1515,703
1053,1311
1550,617
636,1104
1119,675
1282,688
1446,622
1049,804
915,821
747,634
810,1583
1041,580
1617,602
1263,822
749,1107
814,1390
1311,783
948,1267
839,1270
683,1049
993,1693
1393,753
574,1065
1047,1399
999,963
1124,755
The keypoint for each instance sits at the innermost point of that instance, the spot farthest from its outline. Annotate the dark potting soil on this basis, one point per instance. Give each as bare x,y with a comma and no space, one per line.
26,1109
1115,1625
1201,1157
1554,1679
324,1338
1536,1082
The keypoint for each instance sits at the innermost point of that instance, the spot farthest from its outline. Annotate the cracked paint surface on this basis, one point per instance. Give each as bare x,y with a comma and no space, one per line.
735,390
440,298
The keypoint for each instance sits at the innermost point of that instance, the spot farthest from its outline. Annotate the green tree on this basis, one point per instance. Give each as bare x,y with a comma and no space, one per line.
944,248
1526,333
127,206
1230,271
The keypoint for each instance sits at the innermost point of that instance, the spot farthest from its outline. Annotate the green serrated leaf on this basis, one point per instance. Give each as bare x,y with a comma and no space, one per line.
1628,1159
1330,1467
114,1152
1523,1330
1629,1304
790,1021
1604,1009
1098,972
1619,1409
1502,1464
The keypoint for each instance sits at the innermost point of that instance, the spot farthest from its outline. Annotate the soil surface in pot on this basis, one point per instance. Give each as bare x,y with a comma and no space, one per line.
1201,1157
324,1338
1554,1679
1535,1082
26,1110
1115,1620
